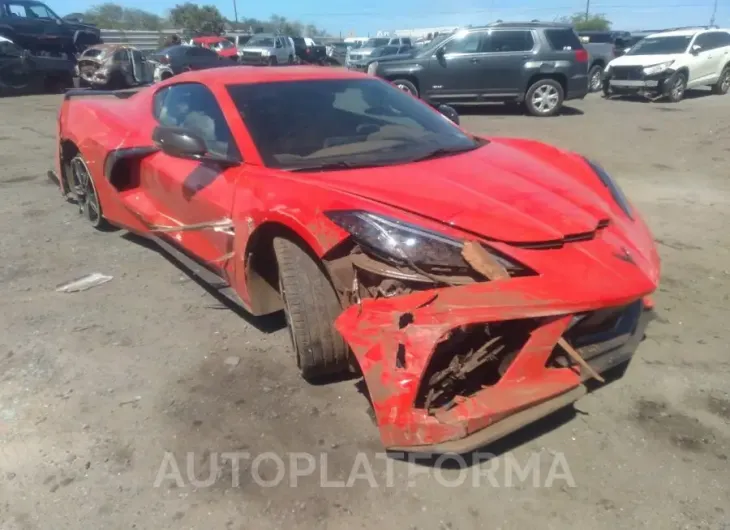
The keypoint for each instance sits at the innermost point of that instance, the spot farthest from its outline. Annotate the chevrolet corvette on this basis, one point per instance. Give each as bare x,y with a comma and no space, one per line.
476,284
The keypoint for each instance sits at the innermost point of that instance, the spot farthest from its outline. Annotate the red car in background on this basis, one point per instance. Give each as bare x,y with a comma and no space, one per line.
475,283
220,45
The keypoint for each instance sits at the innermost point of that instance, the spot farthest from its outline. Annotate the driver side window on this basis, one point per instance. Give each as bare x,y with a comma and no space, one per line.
469,43
193,107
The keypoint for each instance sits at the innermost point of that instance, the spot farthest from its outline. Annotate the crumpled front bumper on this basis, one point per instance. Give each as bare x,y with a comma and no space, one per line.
394,340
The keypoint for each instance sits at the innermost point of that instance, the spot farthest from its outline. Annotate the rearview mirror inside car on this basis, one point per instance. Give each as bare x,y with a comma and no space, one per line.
183,143
449,112
440,52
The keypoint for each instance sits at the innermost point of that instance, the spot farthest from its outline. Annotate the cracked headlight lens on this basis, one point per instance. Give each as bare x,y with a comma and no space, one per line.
403,242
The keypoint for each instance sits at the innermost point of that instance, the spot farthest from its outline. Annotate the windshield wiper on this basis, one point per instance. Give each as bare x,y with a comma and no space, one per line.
333,166
442,152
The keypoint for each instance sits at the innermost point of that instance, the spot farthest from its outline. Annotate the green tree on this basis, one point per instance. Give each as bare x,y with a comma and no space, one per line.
113,16
594,22
197,19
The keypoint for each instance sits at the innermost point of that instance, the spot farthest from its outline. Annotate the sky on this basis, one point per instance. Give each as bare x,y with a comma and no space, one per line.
367,17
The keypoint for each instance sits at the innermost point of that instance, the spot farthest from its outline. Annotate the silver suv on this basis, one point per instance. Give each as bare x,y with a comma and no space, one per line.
267,49
364,51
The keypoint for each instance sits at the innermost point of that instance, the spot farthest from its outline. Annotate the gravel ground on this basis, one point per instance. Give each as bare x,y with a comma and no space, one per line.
96,388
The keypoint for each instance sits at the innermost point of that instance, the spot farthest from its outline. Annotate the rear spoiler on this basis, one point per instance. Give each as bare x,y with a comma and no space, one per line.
87,92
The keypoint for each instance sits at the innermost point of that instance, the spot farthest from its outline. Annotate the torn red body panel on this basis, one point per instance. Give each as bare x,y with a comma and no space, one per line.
454,354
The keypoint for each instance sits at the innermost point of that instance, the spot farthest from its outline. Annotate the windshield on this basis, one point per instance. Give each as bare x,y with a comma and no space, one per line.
309,124
374,43
430,47
223,45
661,45
266,42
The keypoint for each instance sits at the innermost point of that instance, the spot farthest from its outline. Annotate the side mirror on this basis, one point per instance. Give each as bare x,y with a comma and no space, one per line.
440,52
696,49
450,113
182,143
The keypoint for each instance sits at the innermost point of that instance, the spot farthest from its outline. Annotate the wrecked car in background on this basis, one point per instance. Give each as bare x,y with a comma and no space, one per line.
20,71
476,284
113,67
34,26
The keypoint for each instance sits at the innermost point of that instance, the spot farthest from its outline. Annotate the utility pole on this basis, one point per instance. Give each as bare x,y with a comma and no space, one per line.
588,8
714,13
235,12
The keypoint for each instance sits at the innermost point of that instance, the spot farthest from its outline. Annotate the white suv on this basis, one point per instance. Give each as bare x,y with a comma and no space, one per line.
668,63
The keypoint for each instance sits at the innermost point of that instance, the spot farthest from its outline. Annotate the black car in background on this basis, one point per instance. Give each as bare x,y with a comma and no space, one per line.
33,26
22,72
537,64
183,58
619,39
309,52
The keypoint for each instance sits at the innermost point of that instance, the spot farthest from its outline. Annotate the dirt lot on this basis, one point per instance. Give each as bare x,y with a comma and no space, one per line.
96,387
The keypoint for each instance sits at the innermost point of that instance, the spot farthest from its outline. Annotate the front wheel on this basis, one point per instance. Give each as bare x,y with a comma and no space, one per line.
406,86
723,83
311,306
273,61
544,98
676,87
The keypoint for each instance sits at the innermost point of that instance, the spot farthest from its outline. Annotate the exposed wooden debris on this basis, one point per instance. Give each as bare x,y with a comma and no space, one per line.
483,262
577,358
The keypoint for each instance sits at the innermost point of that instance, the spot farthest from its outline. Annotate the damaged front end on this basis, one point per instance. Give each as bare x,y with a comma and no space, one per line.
460,344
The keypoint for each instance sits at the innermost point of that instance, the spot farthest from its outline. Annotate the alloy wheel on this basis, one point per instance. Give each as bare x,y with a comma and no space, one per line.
82,186
545,98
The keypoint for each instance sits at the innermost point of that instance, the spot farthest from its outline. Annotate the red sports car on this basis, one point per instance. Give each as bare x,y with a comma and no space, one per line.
475,283
221,46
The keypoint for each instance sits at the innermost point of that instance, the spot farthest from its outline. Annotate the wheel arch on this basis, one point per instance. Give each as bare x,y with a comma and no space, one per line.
555,76
262,269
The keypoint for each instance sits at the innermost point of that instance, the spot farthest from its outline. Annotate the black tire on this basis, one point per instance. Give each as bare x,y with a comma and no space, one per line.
406,86
675,87
273,61
595,78
311,307
548,90
723,83
86,195
290,60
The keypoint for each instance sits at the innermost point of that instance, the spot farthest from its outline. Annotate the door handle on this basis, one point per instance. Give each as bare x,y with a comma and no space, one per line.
474,60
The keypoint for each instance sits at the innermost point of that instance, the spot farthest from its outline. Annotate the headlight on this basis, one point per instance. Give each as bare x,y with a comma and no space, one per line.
372,67
265,52
657,68
616,193
404,243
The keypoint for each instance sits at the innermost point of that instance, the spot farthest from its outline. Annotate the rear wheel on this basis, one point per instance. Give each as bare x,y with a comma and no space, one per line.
81,185
291,59
311,306
273,61
544,98
406,86
595,78
723,83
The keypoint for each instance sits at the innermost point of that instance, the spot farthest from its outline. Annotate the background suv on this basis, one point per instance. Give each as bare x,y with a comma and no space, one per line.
538,64
666,64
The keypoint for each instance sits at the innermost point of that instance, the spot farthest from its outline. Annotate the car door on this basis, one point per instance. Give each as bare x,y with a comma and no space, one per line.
502,67
718,56
188,192
703,58
454,71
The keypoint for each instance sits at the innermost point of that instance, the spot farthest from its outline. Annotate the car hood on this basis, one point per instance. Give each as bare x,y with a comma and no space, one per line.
643,60
362,51
256,49
512,191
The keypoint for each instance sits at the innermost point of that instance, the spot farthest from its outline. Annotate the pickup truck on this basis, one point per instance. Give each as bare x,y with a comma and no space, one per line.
33,26
308,51
599,55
